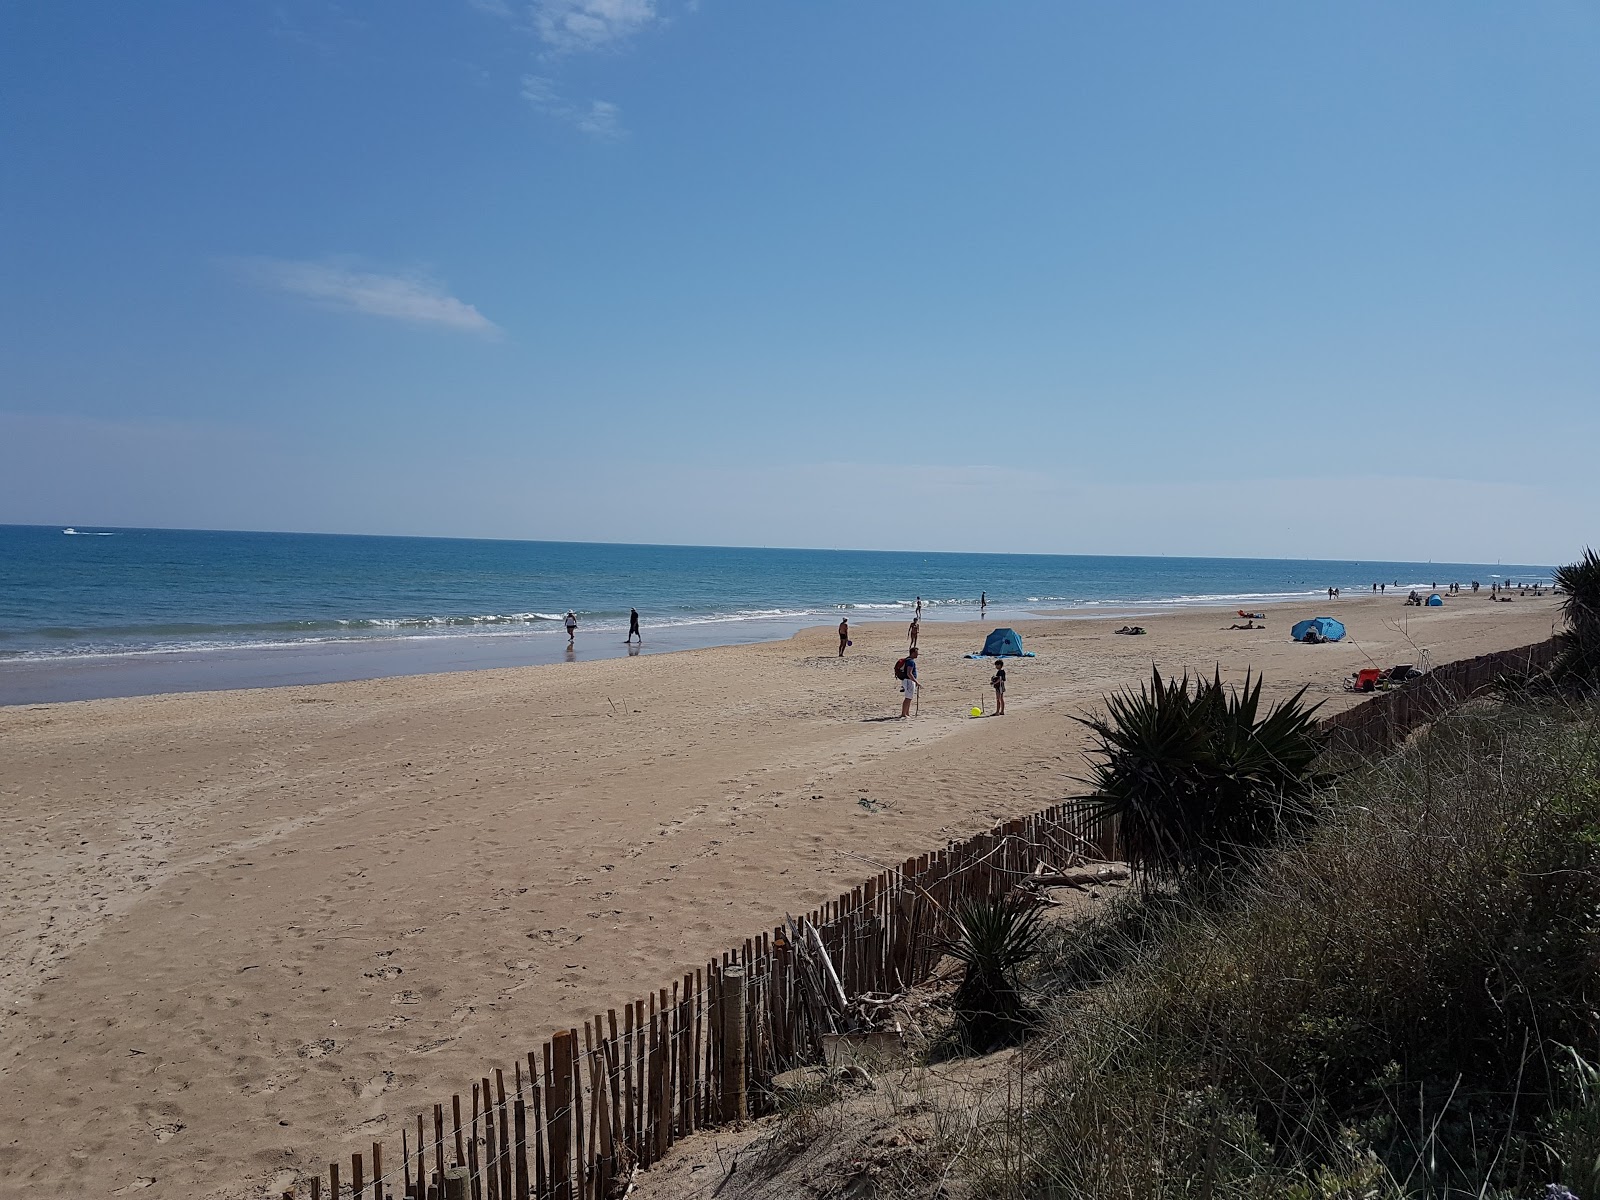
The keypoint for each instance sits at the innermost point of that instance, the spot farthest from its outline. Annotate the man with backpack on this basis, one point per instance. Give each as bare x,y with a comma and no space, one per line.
906,672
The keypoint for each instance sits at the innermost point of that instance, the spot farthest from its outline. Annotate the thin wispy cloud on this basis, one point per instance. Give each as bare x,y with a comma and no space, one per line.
563,28
572,26
601,119
412,298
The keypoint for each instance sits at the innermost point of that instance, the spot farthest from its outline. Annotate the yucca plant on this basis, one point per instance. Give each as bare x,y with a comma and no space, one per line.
991,939
1197,776
1579,584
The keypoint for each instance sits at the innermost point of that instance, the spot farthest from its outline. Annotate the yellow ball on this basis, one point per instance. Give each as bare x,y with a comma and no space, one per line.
977,712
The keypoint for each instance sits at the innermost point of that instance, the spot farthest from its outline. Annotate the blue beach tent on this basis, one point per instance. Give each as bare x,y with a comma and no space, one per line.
1003,643
1327,628
1436,601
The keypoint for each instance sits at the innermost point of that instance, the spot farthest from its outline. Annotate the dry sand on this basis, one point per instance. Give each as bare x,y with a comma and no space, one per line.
242,932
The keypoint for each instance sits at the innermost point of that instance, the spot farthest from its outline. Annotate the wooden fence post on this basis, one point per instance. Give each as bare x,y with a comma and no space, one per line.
455,1183
735,1105
560,1119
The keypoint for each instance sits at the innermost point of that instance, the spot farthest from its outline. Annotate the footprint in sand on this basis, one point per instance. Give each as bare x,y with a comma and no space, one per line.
165,1133
142,1182
377,1085
406,997
317,1049
383,973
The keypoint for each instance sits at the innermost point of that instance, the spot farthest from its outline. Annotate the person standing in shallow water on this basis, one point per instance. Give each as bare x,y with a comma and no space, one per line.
633,626
844,635
572,626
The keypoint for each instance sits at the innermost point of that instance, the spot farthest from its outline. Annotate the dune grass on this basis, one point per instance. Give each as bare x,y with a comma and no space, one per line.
1401,1002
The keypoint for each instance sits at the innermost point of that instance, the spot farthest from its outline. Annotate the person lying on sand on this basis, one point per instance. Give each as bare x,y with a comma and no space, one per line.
1247,625
1132,629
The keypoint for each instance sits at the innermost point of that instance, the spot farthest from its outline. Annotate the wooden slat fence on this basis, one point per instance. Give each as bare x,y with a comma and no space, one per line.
593,1103
1382,722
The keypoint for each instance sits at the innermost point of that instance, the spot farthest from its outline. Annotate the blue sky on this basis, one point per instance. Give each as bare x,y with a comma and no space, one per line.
1223,278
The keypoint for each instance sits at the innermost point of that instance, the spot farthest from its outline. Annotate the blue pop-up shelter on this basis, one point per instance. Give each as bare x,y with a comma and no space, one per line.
1003,643
1436,601
1327,629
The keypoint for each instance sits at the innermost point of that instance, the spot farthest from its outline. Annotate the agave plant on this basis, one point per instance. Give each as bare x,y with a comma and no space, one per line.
991,939
1579,584
1197,776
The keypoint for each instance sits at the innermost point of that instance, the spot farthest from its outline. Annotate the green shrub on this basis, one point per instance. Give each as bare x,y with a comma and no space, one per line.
1573,1131
1379,1011
1579,660
1197,777
992,939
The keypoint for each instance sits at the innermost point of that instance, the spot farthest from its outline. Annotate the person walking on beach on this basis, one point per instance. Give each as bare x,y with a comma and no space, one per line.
983,603
998,683
919,608
633,626
572,626
916,628
908,682
844,635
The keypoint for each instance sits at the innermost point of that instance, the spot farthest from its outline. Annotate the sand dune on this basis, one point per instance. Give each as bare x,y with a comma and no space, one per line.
241,932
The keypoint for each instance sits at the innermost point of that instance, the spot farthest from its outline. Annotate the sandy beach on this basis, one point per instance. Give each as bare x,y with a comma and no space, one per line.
241,932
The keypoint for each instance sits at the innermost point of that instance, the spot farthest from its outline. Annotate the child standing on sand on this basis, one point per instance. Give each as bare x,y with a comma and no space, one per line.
998,683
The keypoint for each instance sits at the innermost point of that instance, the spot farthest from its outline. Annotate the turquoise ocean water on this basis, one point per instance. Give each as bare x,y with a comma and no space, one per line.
88,594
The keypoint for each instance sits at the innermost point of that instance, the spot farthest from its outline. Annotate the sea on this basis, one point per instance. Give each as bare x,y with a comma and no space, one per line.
88,612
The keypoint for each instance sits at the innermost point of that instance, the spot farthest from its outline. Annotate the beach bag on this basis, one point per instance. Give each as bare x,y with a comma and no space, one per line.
900,668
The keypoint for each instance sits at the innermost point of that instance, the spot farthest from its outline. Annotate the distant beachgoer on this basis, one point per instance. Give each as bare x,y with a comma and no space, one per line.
983,603
572,625
1246,625
919,606
998,683
908,685
844,635
1330,593
633,625
916,627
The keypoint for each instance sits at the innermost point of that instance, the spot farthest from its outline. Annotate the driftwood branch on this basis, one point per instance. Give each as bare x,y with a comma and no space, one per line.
1082,879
